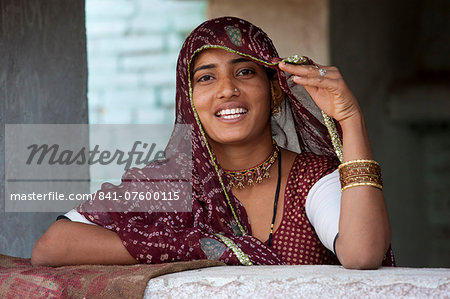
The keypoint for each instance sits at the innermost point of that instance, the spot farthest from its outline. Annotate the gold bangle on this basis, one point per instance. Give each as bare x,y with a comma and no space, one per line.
360,173
362,184
358,161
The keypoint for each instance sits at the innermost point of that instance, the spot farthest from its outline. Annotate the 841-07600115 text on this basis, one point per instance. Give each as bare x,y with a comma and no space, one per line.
135,195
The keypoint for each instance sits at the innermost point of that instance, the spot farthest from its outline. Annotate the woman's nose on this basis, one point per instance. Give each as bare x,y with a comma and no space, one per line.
226,88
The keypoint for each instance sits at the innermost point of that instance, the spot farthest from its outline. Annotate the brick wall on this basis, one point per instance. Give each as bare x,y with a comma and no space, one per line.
132,51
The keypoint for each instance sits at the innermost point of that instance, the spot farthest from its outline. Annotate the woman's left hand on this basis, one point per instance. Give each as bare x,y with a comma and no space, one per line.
329,90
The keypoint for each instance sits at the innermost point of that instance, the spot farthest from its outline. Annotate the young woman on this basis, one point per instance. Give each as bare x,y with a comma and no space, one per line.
265,184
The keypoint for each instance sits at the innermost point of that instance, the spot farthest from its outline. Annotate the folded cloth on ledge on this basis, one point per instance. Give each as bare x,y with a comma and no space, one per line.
19,279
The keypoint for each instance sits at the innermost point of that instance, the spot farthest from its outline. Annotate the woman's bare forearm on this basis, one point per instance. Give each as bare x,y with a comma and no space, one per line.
364,231
73,243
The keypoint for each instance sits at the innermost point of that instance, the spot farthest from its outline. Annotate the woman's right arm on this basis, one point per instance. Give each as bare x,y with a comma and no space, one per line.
74,243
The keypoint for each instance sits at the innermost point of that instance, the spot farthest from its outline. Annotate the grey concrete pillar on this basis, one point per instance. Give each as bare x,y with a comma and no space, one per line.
43,79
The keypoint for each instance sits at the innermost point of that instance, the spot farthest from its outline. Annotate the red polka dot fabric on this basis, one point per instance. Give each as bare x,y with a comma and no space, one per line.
295,240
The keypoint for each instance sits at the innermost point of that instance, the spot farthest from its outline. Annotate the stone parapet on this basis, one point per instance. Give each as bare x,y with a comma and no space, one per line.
320,281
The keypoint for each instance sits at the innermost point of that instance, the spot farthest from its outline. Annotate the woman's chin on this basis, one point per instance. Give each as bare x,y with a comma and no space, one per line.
231,139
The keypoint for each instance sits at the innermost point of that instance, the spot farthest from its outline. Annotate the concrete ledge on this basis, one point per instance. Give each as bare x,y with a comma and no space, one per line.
322,281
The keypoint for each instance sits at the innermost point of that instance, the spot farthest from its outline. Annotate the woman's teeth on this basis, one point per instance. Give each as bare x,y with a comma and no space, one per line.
231,113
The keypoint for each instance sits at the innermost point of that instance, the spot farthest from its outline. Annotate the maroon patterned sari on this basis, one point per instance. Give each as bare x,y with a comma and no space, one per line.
218,227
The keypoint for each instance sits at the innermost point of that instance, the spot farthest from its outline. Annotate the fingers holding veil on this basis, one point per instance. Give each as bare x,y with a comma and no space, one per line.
327,88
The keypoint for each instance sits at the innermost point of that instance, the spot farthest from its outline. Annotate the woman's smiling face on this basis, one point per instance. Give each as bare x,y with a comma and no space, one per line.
232,96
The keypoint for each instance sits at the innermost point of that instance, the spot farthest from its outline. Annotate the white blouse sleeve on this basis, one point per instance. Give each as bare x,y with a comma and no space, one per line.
74,216
323,206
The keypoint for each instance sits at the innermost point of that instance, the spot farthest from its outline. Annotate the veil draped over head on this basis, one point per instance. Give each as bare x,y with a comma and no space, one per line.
218,227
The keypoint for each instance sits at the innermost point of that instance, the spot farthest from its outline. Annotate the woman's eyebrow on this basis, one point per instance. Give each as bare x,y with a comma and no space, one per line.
239,60
203,67
211,66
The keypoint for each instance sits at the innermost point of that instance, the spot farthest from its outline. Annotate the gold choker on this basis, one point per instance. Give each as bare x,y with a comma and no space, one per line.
250,176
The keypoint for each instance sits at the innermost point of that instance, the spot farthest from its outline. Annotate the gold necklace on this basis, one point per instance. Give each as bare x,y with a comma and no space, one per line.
256,174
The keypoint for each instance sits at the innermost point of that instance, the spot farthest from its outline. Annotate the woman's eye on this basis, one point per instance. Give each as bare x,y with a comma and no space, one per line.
245,72
204,78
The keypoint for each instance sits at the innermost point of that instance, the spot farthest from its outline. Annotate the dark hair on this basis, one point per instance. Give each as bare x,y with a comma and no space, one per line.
270,72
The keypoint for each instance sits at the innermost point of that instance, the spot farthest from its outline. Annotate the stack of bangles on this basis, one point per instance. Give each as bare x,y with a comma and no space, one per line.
360,173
